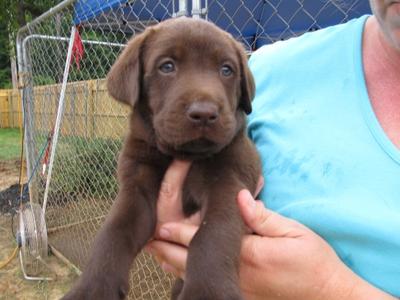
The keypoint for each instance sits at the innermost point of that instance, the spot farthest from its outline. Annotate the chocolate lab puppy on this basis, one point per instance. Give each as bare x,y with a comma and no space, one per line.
190,89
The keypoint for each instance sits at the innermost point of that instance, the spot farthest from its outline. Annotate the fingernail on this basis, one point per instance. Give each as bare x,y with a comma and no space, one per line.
164,233
165,188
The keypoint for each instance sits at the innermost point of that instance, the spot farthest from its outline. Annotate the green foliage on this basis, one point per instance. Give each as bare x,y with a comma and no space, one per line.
5,78
86,167
5,63
44,80
10,143
14,15
97,59
47,57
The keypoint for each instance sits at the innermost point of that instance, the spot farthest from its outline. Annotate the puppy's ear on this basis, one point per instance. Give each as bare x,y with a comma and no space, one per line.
123,80
247,85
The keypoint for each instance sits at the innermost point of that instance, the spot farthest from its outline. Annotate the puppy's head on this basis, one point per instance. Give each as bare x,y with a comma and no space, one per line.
190,81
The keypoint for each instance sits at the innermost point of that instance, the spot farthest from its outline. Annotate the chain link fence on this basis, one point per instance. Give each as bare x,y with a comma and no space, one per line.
83,183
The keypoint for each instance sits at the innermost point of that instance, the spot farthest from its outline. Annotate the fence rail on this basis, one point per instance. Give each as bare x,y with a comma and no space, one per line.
83,183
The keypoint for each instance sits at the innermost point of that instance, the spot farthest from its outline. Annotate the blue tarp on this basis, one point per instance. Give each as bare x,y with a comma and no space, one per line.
86,10
266,20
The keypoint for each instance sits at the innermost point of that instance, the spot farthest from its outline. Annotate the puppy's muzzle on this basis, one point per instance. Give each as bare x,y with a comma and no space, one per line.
202,114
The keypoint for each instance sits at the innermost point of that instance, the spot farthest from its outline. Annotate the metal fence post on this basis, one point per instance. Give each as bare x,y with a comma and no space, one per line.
25,86
59,116
196,9
182,8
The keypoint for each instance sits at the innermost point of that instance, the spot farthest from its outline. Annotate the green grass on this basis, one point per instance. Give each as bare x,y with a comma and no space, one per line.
10,143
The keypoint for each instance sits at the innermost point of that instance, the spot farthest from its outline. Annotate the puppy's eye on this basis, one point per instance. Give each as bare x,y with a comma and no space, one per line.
226,70
167,67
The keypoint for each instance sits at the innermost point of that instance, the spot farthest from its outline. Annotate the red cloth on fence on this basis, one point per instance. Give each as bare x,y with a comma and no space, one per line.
77,49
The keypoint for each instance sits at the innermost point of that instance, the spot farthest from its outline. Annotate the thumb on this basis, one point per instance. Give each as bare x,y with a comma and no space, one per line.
263,221
174,177
169,203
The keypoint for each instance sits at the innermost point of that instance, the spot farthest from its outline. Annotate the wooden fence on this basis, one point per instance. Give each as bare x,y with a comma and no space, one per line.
10,109
89,110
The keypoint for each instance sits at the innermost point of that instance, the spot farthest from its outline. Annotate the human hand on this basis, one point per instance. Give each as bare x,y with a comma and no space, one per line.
281,260
169,202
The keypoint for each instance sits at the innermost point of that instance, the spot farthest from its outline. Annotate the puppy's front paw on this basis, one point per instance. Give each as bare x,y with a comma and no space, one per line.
97,291
227,296
217,293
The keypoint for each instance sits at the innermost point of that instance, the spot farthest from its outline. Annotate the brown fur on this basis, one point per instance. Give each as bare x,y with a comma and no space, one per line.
224,159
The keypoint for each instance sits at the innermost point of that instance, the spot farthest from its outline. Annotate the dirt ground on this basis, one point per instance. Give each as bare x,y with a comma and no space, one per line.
12,283
9,173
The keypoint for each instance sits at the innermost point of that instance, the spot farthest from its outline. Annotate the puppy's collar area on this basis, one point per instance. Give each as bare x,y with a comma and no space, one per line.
199,146
192,150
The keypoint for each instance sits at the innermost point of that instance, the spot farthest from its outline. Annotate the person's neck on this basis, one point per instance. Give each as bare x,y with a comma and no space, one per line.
381,67
381,56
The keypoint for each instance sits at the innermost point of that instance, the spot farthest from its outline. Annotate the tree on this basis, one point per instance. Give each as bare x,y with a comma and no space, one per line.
14,15
5,63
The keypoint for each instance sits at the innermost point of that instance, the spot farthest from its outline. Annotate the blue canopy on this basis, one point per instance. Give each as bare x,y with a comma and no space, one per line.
256,22
85,10
156,10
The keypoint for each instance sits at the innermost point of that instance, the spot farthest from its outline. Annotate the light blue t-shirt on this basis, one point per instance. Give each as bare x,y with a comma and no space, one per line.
326,160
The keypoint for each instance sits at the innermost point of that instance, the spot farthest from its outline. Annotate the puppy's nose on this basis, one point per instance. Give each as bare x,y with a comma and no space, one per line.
202,113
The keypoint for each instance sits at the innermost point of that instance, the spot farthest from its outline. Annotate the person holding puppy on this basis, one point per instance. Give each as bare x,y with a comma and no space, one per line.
326,121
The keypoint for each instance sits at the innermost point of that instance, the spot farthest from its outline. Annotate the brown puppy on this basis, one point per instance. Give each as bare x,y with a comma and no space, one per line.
190,88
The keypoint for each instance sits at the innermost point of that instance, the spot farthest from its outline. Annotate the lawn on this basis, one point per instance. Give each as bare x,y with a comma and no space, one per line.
10,143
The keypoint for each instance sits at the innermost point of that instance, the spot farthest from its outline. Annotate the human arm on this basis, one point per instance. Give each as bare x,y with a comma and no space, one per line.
281,260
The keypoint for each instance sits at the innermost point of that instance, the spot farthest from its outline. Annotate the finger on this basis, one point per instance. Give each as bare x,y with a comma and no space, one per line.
171,257
176,172
169,206
263,221
170,269
178,233
260,185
